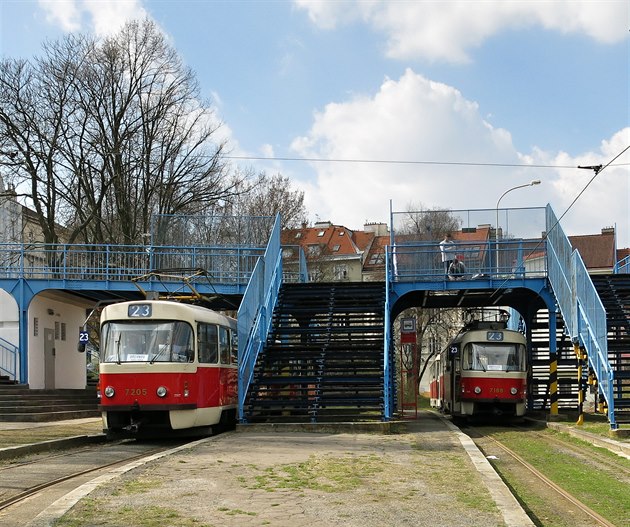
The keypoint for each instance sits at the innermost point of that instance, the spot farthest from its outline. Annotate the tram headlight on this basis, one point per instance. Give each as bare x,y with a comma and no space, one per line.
109,391
477,390
161,391
513,390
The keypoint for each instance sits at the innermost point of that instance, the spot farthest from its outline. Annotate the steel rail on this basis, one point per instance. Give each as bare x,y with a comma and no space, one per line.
559,490
13,500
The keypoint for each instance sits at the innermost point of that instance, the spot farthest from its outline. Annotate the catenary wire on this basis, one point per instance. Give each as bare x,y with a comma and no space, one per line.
404,162
597,171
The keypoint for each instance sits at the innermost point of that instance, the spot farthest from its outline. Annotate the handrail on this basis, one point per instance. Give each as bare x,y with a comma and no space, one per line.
9,354
482,259
254,314
592,332
580,306
622,266
224,264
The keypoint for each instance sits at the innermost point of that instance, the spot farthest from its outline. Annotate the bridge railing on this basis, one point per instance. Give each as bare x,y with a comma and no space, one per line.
254,314
580,306
9,359
223,264
623,266
505,259
294,267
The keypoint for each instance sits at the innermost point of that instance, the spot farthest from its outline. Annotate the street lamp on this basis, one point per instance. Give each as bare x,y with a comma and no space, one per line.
496,235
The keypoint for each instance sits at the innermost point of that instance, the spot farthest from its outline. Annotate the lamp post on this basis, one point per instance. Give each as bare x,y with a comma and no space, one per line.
496,236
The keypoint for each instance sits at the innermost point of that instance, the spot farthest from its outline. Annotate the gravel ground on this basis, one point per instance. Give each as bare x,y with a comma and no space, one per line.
421,477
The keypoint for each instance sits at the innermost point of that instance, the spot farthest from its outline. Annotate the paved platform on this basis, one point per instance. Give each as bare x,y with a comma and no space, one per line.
272,475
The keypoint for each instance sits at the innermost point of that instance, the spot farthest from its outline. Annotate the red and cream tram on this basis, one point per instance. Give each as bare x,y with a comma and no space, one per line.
166,368
483,371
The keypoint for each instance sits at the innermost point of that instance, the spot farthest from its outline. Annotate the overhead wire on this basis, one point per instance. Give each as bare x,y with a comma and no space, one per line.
597,169
402,162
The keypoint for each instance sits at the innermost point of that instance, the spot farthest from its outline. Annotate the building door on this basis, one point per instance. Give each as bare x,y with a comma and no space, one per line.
49,359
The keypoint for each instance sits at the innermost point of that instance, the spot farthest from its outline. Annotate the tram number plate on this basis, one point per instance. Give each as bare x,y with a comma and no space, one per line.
135,391
496,390
139,311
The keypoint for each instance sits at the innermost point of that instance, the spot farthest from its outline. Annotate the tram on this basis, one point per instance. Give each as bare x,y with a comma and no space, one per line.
482,372
166,368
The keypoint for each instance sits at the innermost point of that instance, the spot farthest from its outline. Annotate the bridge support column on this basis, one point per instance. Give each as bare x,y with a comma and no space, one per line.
23,295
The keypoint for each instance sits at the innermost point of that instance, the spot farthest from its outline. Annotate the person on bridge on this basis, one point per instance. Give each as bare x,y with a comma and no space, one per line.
447,249
456,270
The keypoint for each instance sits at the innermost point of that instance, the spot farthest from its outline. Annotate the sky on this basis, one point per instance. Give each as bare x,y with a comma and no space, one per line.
371,106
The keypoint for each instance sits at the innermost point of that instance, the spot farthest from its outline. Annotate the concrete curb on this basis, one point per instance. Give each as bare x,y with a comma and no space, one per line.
617,447
510,508
50,445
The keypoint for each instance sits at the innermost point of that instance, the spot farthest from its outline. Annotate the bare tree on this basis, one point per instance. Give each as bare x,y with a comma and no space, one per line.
427,224
102,135
266,195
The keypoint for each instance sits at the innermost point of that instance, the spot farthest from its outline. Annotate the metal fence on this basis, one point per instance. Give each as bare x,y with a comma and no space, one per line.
223,265
524,258
432,225
206,230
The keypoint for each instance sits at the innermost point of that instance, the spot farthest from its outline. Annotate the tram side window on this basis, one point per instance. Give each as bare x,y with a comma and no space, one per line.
224,344
207,337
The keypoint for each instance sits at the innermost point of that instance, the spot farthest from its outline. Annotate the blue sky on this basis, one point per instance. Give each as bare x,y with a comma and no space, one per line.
512,82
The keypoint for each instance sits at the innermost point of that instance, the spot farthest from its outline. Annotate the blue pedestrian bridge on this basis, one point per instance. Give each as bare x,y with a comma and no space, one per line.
519,258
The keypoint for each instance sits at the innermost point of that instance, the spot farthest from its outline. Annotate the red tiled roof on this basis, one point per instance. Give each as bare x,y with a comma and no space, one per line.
334,240
597,250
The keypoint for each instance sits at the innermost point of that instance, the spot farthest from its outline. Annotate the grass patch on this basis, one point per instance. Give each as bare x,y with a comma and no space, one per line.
136,486
46,433
326,475
599,489
89,513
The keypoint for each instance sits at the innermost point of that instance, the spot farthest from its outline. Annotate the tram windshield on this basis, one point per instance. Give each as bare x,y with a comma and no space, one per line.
494,357
147,342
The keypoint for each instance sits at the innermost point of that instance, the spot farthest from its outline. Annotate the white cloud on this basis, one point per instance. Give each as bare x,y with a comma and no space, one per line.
606,200
415,119
63,13
439,30
101,17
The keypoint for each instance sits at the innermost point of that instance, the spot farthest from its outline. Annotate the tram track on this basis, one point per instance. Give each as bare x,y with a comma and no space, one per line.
546,501
28,487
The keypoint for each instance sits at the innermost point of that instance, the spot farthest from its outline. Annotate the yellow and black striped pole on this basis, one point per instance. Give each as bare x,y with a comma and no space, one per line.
580,353
553,365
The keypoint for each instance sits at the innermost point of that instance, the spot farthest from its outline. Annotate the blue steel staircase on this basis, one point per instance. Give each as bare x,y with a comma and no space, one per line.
323,357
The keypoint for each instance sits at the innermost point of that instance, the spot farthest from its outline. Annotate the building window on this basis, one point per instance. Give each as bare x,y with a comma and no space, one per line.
63,331
315,276
320,233
314,250
336,248
377,259
57,330
35,326
298,234
341,272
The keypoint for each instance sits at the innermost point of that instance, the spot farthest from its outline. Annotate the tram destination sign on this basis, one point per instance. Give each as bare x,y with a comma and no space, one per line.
139,311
